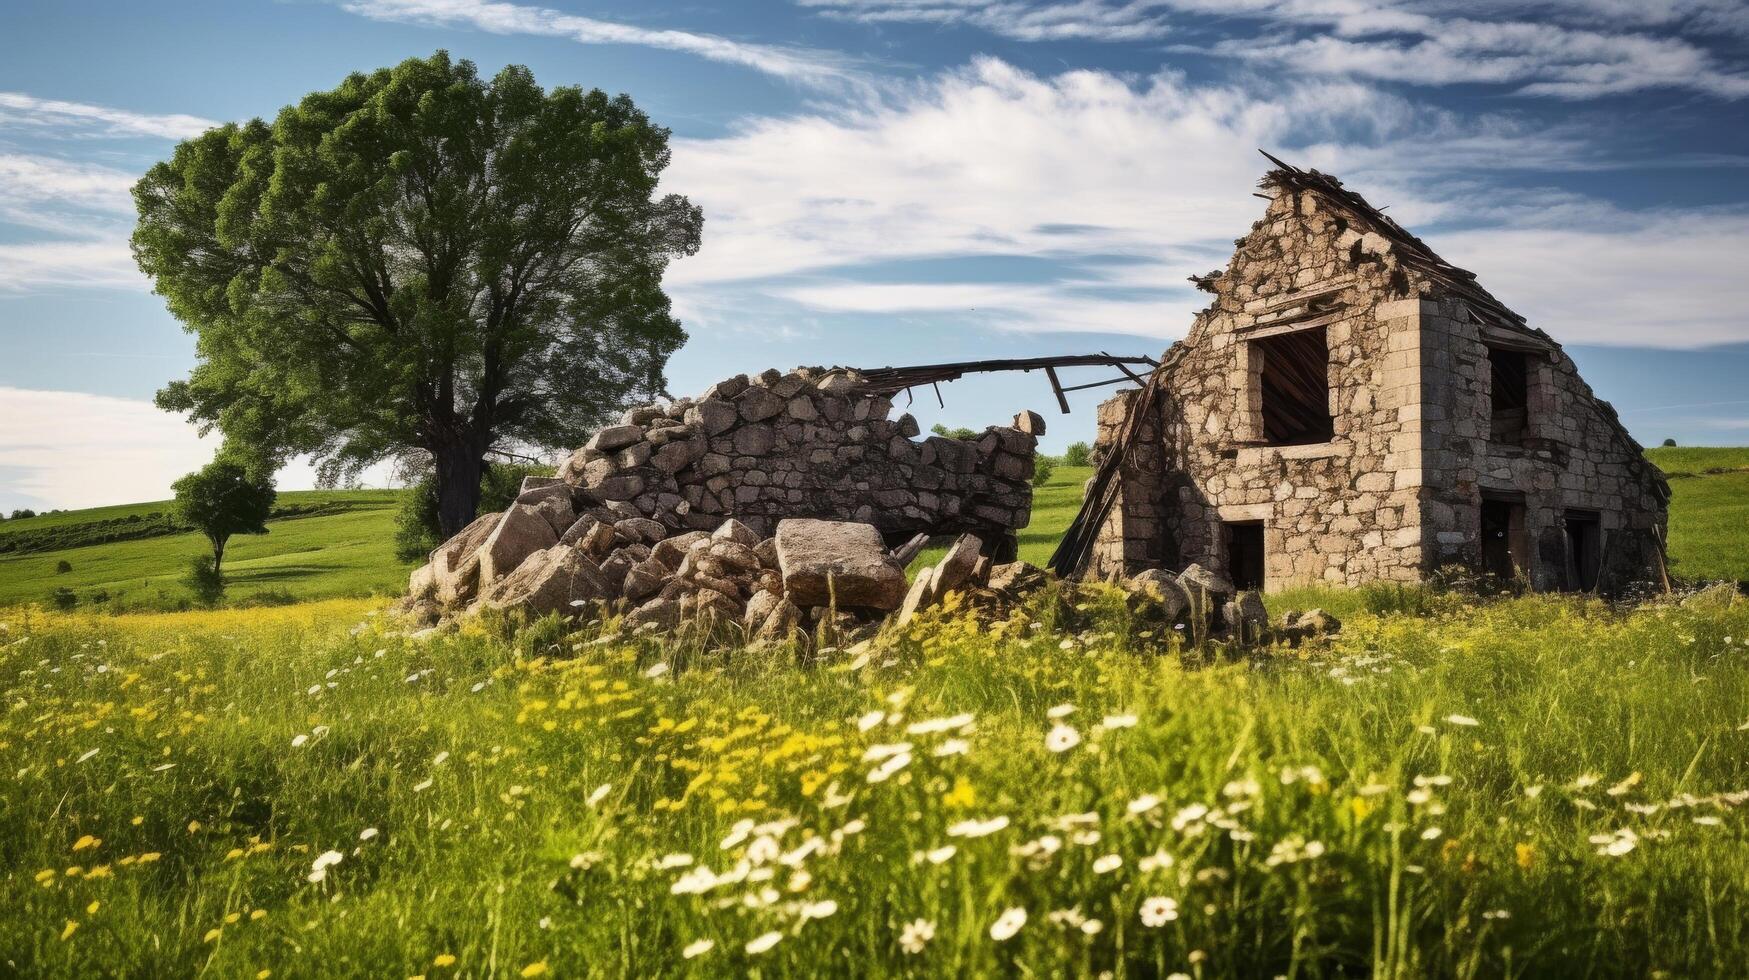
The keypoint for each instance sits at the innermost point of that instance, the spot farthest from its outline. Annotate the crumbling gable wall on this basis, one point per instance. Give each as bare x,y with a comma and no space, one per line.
1340,511
1395,486
811,443
1574,456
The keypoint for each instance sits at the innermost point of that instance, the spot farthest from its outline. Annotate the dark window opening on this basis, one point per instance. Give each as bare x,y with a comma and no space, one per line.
1509,395
1503,541
1584,549
1245,554
1295,383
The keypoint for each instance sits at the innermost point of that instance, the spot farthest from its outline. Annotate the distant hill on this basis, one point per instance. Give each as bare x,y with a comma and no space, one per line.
320,543
326,543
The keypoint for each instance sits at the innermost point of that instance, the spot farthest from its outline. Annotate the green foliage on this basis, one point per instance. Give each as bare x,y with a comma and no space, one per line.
418,531
23,513
1042,467
419,258
64,598
959,433
106,525
503,481
1509,790
221,499
417,528
63,566
206,580
1669,443
1078,454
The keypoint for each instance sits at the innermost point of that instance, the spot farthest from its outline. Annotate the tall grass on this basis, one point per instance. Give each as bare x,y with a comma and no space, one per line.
1538,787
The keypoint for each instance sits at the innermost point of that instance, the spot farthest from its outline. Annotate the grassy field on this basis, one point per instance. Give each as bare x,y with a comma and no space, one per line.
1540,787
348,549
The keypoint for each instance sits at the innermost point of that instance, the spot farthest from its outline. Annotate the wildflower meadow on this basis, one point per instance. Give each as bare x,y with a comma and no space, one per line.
1535,787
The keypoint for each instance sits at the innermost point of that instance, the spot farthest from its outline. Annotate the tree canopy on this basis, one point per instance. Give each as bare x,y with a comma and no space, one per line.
419,261
224,498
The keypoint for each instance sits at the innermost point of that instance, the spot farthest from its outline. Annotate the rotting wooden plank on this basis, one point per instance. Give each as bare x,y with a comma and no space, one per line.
1057,386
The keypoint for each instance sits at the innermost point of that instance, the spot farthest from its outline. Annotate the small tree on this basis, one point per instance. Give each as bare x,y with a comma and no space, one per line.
221,499
1042,467
1078,454
23,512
1670,443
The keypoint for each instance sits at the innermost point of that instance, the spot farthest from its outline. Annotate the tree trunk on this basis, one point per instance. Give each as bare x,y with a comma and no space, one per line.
218,555
458,487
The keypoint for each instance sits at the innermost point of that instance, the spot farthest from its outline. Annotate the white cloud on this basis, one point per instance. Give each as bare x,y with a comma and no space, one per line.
799,65
101,263
1442,42
1128,188
1666,280
18,109
69,449
1022,20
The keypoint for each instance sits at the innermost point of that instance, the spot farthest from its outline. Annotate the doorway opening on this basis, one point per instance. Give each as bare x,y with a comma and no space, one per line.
1584,549
1503,540
1245,554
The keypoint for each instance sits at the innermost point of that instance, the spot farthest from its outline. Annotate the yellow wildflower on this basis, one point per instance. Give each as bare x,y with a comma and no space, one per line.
71,928
1526,854
535,969
443,959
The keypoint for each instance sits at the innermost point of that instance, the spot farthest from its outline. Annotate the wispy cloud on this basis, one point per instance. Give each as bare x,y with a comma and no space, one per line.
1021,20
1135,186
20,110
802,66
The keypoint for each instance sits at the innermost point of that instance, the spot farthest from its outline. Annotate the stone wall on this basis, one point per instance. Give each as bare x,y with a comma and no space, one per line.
1396,490
810,443
1342,511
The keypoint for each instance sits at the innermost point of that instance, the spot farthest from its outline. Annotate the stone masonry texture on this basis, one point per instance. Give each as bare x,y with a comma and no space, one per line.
813,442
1396,492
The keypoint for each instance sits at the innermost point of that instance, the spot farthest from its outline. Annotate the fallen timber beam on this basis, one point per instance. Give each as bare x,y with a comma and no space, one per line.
892,380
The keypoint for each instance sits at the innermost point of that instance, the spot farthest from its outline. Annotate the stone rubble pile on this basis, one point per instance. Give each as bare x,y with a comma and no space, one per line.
810,443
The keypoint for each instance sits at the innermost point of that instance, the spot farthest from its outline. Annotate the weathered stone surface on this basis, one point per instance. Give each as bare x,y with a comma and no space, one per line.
758,404
826,560
733,530
1245,616
657,614
548,581
713,417
918,596
645,579
554,503
1160,585
1016,577
955,568
672,551
422,584
624,486
1200,583
523,531
1031,423
616,437
639,529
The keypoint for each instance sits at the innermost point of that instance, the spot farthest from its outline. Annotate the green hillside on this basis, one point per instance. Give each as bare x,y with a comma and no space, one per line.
342,544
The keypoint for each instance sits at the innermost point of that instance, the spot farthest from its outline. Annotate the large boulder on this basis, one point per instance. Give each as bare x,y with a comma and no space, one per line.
553,500
1245,616
455,565
548,581
827,561
1159,585
523,531
1205,588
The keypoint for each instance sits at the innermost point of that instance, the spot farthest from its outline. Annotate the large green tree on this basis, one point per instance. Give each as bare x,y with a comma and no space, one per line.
419,261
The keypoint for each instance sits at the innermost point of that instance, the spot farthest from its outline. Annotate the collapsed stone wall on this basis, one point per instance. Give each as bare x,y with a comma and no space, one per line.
813,443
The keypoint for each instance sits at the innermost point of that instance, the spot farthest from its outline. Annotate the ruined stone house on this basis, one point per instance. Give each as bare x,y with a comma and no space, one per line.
1352,408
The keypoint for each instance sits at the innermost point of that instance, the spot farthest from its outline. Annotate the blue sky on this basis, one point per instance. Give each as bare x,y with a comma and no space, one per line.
907,181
